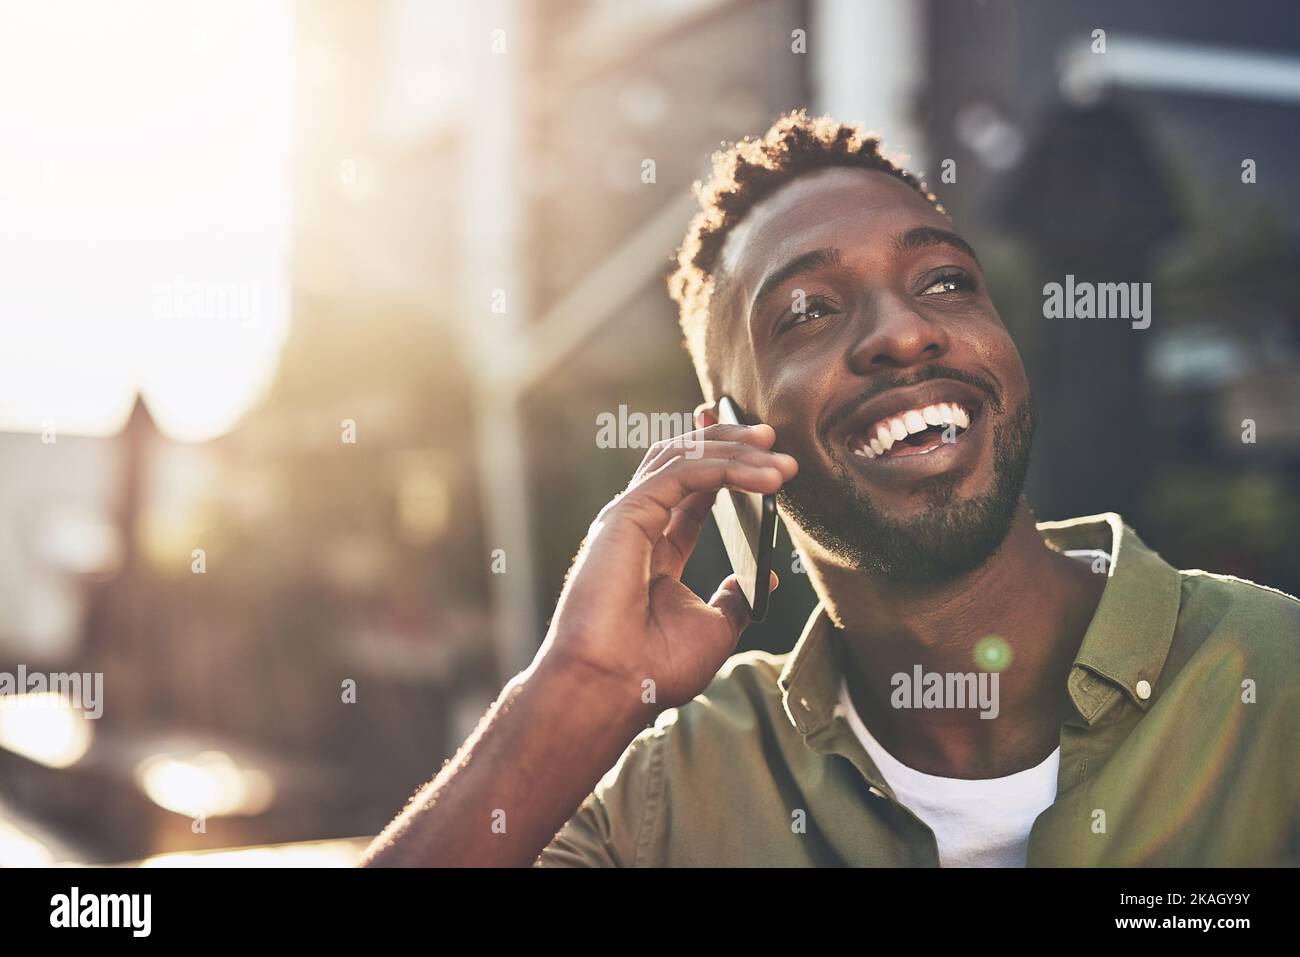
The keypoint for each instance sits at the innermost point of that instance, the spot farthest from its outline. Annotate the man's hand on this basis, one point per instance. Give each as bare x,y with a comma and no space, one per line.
624,610
624,616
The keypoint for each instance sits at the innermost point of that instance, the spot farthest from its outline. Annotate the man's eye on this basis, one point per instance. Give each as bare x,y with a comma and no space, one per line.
813,309
954,282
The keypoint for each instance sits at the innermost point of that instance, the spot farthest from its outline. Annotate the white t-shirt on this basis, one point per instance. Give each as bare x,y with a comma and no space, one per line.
976,823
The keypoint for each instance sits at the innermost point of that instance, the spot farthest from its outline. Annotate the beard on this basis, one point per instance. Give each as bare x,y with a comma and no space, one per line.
949,539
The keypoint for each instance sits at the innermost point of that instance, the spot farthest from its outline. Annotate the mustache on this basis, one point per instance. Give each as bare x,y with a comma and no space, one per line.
928,374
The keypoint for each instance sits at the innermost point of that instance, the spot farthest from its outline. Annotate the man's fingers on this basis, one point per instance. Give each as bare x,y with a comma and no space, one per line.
682,533
713,449
759,436
650,503
730,600
671,485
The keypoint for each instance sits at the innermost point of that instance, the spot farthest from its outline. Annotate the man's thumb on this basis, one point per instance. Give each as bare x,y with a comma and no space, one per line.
731,601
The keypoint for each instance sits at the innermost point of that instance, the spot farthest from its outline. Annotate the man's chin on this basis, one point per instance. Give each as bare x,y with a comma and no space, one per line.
919,498
942,531
946,540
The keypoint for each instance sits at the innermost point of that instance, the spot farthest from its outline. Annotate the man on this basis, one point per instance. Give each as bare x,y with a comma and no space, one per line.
973,688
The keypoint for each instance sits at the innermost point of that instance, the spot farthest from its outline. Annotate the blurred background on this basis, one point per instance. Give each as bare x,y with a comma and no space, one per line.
308,310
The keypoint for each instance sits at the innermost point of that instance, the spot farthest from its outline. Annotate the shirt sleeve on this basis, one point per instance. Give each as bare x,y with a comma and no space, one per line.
618,824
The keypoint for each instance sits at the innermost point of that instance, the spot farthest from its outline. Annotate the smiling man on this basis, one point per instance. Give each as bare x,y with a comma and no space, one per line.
1143,715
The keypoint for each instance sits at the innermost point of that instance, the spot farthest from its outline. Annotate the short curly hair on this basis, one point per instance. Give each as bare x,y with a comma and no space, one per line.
747,172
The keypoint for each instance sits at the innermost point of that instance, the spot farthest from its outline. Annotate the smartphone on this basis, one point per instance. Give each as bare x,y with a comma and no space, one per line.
747,521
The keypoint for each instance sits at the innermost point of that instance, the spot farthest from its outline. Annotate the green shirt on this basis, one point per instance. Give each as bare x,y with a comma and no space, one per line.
1182,749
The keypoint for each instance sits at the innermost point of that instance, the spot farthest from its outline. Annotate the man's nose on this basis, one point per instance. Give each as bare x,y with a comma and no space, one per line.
894,334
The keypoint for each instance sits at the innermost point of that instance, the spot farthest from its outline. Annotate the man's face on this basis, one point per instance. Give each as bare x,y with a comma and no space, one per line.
851,314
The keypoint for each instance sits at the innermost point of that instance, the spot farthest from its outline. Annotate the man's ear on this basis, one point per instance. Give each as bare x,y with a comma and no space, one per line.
706,414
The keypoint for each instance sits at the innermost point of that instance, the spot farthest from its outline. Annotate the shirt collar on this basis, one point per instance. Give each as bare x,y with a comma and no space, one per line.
1124,647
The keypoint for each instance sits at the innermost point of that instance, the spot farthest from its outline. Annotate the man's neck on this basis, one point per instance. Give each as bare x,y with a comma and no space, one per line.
1036,602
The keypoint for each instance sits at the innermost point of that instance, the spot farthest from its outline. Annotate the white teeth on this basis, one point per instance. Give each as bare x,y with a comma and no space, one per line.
893,429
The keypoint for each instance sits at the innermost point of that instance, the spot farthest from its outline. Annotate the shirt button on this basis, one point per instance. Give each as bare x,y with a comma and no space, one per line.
1143,689
876,791
804,702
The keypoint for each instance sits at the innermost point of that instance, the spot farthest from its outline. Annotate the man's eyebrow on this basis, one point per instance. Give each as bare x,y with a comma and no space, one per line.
808,262
830,257
923,236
